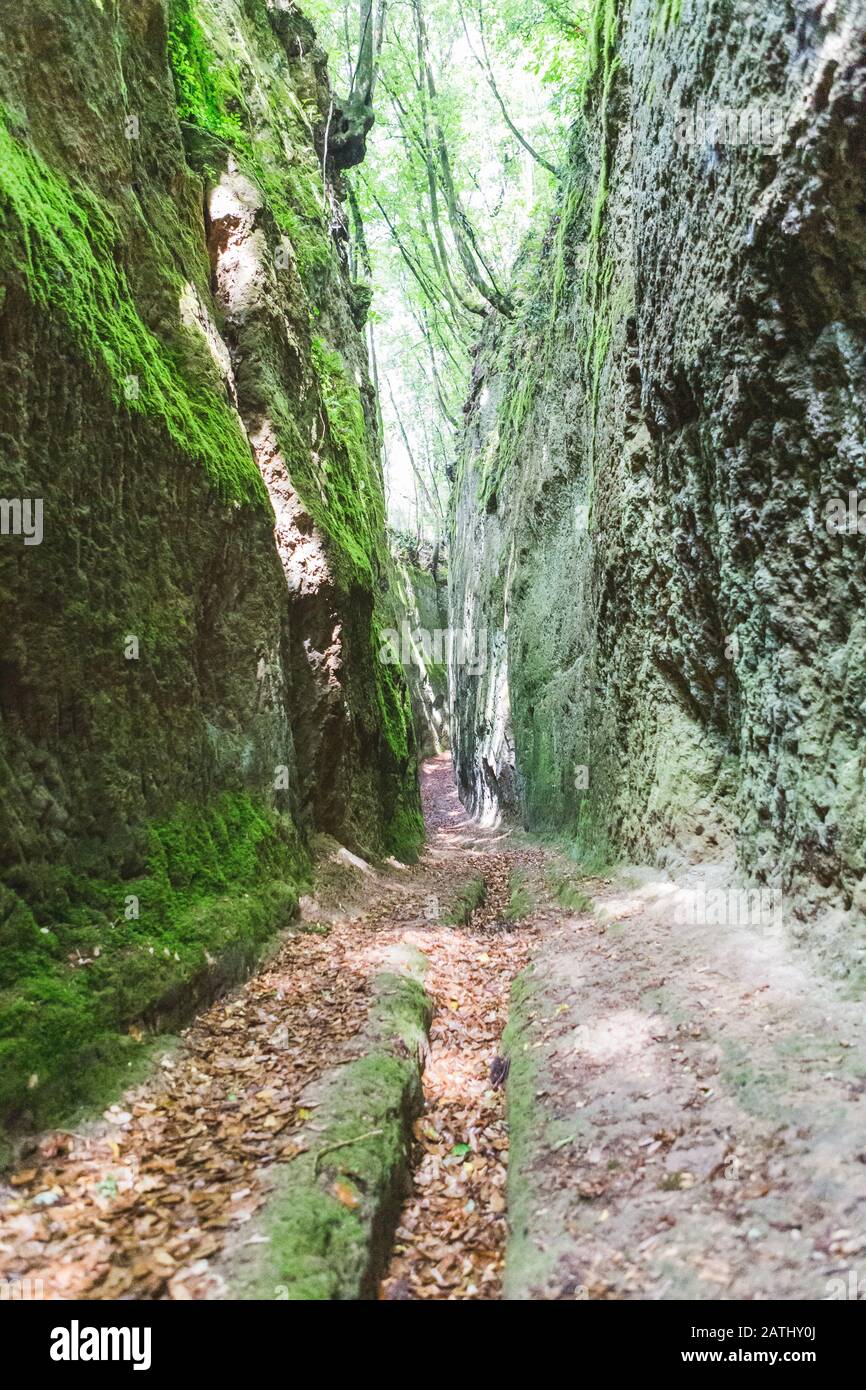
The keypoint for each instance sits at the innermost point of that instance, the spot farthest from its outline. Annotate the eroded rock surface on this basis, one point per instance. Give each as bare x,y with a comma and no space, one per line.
675,635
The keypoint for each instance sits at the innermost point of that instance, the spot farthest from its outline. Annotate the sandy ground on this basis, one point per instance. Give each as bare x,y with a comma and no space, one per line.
701,1119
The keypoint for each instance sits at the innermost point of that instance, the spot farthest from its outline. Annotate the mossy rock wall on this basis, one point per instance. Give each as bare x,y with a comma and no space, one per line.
675,656
183,386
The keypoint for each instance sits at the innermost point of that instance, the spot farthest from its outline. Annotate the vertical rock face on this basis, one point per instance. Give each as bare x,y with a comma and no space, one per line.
190,674
645,520
418,636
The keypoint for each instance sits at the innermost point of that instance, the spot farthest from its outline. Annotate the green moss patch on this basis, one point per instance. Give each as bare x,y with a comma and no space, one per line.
211,93
204,88
521,899
668,14
524,1075
468,898
346,497
63,243
87,958
568,890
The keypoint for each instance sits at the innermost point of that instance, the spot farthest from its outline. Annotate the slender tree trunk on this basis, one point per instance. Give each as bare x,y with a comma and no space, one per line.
435,506
374,374
432,180
354,115
433,293
487,68
460,227
434,368
363,251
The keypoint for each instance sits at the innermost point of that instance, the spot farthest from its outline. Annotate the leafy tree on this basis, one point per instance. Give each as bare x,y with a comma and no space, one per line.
459,110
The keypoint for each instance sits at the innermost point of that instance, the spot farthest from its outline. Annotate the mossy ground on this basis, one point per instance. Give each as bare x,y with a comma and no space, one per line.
521,899
567,887
468,898
524,1075
78,968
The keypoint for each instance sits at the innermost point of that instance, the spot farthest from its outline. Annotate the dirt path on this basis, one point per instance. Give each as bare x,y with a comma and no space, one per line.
142,1203
451,1239
687,1103
136,1205
699,1115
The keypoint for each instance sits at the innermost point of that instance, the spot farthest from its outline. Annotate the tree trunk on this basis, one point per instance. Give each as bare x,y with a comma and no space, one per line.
354,115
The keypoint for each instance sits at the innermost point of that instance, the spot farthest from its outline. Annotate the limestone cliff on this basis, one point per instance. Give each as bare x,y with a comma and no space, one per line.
643,516
190,682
